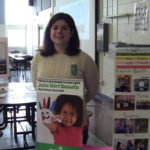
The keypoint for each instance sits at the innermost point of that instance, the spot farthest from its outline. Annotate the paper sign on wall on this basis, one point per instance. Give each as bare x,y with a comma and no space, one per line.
132,99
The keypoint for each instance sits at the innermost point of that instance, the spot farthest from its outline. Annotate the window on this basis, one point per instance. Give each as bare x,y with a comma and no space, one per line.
16,18
16,37
16,11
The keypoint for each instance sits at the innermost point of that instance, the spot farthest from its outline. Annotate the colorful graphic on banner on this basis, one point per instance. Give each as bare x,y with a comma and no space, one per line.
132,99
59,114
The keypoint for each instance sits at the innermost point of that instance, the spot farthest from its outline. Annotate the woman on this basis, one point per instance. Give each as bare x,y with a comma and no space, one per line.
61,57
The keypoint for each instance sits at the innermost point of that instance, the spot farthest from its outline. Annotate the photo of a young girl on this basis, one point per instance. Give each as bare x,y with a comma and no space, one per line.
68,131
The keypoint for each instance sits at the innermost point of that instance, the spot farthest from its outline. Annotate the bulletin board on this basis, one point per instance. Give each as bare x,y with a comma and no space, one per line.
132,98
4,63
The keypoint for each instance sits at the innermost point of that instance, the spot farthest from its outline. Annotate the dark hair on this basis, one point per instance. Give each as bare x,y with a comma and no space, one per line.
76,103
74,43
118,145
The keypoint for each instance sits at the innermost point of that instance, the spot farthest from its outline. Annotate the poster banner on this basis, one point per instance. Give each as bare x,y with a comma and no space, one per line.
132,99
4,63
59,114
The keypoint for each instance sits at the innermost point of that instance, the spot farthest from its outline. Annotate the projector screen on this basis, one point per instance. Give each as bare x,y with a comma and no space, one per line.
83,12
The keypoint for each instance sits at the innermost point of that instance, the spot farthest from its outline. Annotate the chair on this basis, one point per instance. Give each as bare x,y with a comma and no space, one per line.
14,51
28,59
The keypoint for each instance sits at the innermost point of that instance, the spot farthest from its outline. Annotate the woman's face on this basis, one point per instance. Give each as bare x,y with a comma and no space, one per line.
60,33
68,115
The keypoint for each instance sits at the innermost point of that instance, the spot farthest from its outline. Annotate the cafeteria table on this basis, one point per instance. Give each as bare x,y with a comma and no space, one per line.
14,99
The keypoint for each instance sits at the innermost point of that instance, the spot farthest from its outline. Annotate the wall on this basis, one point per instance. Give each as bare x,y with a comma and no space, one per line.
120,16
2,12
102,118
2,19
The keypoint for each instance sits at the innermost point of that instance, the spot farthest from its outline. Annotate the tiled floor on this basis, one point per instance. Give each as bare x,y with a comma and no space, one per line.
7,141
20,76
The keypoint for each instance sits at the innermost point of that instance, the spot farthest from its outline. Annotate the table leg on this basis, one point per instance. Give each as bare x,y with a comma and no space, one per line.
33,121
15,124
30,114
3,125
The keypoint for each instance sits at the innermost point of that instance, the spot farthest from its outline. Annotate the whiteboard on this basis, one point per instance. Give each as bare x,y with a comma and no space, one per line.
83,13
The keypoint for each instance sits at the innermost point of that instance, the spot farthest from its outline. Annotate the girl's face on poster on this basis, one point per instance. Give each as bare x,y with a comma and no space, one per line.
68,115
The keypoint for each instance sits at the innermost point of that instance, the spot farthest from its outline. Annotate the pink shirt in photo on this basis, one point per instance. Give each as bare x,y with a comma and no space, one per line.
68,136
